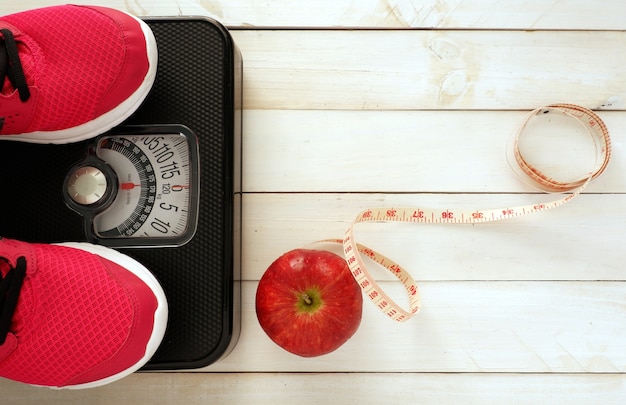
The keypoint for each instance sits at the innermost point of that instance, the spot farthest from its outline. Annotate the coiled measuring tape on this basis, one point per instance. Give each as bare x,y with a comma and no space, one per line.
353,251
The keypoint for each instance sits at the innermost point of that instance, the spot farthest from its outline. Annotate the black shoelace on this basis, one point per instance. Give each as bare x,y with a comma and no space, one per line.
11,66
10,286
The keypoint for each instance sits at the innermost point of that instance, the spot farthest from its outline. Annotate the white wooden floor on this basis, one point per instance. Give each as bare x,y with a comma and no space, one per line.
414,105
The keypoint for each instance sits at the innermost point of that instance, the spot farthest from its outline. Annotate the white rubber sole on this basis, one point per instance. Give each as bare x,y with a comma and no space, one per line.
160,315
108,120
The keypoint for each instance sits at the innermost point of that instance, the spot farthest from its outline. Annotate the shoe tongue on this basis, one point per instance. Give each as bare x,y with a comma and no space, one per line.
10,342
21,311
4,267
8,346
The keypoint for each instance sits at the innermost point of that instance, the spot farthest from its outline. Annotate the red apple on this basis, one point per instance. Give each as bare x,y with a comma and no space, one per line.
308,302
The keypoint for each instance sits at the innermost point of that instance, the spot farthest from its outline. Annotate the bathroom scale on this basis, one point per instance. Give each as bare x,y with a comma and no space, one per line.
164,187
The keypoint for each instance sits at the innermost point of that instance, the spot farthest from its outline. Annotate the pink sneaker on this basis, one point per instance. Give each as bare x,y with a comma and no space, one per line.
68,73
75,315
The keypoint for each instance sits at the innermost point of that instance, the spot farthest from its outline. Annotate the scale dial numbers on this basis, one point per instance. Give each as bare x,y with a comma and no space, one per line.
154,197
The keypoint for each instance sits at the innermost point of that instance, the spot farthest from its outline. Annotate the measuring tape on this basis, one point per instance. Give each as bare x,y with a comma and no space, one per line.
353,251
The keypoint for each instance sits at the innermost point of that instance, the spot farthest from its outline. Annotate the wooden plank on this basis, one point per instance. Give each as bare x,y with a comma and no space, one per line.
529,14
569,14
408,70
404,151
505,327
582,240
346,388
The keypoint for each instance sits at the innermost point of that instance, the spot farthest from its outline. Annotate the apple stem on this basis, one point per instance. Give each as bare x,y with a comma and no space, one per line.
307,299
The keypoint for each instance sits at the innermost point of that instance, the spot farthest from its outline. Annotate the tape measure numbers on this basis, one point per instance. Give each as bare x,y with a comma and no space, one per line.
354,251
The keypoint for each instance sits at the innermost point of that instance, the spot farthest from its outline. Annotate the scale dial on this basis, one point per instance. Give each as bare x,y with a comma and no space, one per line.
138,186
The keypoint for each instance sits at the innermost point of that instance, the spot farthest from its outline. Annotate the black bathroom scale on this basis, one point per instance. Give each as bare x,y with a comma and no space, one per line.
163,187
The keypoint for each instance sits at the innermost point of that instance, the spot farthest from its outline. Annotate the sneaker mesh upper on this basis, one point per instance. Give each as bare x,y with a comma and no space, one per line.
72,309
72,71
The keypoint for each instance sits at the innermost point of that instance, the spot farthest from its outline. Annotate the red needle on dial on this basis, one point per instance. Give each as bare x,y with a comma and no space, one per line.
129,186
